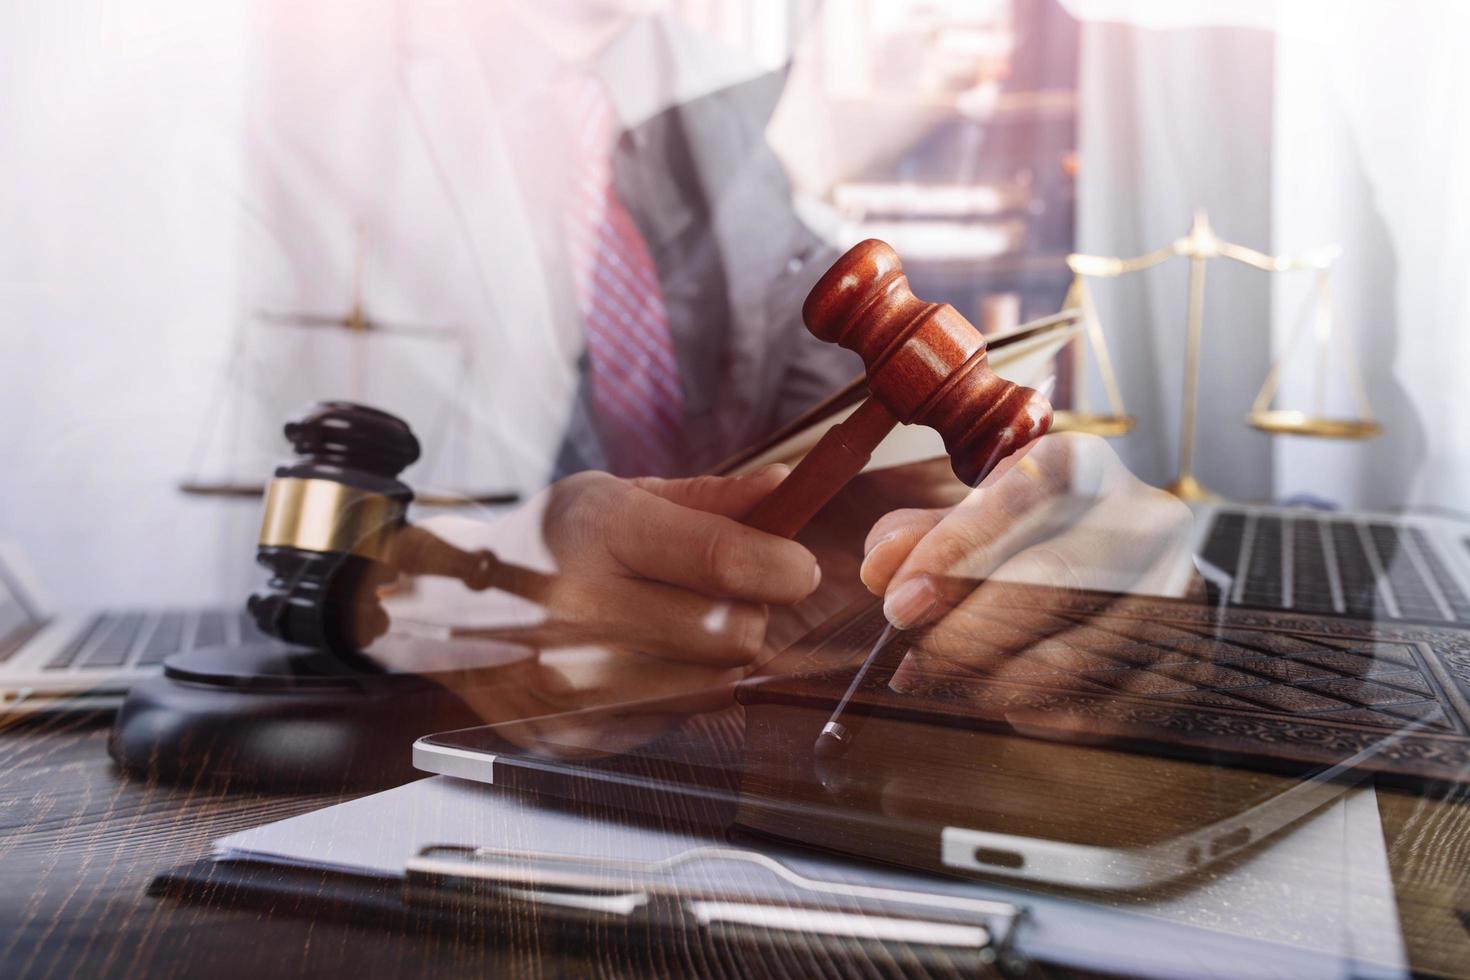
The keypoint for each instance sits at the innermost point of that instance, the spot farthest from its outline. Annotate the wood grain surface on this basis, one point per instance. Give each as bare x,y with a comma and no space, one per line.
79,845
1429,857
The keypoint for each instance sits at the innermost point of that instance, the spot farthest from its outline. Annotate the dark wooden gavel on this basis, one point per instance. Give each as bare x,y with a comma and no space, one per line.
926,365
335,527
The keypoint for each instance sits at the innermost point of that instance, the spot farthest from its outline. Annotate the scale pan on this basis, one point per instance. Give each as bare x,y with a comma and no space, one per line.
1107,426
1288,422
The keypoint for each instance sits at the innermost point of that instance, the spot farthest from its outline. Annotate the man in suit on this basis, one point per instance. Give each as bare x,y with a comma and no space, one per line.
683,240
584,189
587,186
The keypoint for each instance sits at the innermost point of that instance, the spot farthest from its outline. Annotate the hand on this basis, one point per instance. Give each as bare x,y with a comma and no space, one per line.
655,590
1064,513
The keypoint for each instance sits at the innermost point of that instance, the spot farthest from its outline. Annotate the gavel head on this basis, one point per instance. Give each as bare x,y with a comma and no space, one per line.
925,362
330,517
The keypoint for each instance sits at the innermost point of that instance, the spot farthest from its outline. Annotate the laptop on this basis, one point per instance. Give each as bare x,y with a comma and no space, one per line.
91,659
1380,567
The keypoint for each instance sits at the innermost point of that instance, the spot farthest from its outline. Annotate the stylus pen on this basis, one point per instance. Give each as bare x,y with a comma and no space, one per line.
881,664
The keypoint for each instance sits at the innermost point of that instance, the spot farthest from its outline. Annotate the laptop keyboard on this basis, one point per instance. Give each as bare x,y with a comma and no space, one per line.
115,641
1323,564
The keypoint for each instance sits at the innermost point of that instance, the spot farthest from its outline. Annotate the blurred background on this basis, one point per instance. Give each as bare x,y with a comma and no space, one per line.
202,205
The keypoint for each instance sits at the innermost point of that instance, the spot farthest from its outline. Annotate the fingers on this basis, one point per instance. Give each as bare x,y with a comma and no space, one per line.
731,496
977,535
1106,552
1001,631
1131,538
890,541
717,557
1054,486
653,537
968,544
1116,544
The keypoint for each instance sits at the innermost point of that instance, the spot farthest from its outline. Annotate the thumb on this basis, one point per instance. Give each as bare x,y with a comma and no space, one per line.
729,496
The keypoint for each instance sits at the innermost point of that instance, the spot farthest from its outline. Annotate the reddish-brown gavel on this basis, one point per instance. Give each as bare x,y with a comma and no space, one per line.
926,364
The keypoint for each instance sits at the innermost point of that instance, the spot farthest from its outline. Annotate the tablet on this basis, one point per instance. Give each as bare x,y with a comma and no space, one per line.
917,788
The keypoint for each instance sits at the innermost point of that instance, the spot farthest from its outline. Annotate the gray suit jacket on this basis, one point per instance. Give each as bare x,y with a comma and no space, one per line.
735,263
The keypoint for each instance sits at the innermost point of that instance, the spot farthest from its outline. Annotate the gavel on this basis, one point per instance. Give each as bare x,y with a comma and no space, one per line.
335,520
925,364
335,527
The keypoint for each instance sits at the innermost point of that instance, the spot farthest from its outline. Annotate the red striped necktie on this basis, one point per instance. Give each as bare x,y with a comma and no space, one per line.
636,391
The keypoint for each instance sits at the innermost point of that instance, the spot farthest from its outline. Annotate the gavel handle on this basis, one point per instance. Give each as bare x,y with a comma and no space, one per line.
837,457
419,552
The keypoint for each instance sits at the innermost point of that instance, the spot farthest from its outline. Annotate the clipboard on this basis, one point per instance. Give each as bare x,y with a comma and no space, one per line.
564,876
482,865
471,892
678,896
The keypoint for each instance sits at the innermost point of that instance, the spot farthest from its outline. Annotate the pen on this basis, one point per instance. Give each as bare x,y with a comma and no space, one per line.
839,731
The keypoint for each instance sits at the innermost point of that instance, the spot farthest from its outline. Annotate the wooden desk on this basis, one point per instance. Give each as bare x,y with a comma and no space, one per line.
79,845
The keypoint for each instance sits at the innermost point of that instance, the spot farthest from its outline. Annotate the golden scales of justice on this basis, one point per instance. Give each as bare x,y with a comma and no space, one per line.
360,326
1200,245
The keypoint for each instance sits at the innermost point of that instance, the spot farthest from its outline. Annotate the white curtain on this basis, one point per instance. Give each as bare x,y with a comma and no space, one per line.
1372,149
120,209
1293,125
